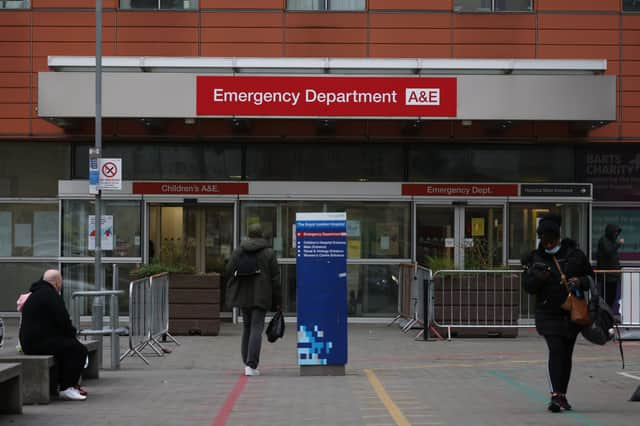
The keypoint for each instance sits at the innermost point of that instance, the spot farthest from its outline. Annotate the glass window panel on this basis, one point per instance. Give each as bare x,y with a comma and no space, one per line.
168,162
127,238
372,290
21,275
29,169
325,162
434,237
159,4
631,5
491,163
513,5
376,229
472,5
523,223
493,5
628,219
305,4
81,277
483,237
14,4
347,4
29,229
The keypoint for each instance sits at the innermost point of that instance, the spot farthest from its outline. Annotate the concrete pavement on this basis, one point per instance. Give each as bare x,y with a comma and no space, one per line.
391,380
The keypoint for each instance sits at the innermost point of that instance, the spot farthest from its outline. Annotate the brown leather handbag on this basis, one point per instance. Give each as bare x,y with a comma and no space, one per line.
573,304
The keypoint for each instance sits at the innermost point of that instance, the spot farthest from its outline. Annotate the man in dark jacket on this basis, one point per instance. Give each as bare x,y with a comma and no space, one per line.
253,293
543,279
607,258
46,330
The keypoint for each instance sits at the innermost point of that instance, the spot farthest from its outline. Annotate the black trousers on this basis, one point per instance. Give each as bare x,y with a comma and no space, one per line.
70,356
252,328
560,360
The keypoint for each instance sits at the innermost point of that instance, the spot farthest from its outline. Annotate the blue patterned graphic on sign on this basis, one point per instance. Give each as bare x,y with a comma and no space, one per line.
312,349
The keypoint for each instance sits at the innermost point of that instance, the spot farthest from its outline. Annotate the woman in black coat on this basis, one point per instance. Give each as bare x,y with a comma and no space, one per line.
542,279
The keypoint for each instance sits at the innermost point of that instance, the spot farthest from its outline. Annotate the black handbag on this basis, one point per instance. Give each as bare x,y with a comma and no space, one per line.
275,329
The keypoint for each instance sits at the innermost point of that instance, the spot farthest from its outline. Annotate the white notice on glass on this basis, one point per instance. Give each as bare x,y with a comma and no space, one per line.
449,242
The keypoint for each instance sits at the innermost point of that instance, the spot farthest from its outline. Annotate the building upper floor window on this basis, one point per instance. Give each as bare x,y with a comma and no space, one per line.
631,5
326,4
14,4
493,5
159,4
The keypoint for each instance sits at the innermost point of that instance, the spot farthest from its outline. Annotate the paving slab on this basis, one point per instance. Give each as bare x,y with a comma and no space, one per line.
390,380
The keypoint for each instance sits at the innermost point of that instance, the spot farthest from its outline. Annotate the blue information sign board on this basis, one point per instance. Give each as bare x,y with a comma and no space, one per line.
321,274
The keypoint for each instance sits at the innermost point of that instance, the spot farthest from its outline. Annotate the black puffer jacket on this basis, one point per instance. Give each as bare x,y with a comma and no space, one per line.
607,256
542,279
45,320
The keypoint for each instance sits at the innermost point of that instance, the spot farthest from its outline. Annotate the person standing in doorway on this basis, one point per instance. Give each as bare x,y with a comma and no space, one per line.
607,259
542,278
253,285
46,330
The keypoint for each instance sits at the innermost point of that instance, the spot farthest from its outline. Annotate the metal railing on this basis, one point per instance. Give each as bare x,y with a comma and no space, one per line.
488,299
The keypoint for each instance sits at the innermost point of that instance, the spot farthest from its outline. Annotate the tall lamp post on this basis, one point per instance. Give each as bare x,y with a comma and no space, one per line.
98,302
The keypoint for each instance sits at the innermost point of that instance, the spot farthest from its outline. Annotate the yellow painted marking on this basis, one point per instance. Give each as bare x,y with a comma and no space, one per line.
393,409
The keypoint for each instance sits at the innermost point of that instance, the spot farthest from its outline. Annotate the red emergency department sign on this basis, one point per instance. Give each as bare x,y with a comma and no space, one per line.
258,96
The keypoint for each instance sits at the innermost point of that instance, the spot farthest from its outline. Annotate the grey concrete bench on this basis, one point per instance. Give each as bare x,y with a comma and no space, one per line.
10,389
40,376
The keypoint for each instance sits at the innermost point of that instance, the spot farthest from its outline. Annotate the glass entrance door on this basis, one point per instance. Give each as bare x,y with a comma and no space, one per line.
200,237
460,237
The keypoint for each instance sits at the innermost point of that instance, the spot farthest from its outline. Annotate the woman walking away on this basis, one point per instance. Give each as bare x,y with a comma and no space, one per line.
542,278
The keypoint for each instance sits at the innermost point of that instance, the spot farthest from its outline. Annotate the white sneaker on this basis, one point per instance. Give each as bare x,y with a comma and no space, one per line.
248,371
72,394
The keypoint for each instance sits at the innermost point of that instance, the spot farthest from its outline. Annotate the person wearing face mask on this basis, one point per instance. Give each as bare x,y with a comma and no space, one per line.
46,330
543,279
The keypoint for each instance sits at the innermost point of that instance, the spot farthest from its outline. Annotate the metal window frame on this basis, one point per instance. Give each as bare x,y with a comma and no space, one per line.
158,7
461,9
326,7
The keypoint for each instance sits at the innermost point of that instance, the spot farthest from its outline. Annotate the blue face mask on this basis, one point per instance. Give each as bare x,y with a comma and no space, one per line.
553,250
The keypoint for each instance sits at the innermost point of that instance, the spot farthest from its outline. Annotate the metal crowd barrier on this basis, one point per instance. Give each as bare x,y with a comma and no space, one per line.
160,309
148,316
627,292
480,299
413,285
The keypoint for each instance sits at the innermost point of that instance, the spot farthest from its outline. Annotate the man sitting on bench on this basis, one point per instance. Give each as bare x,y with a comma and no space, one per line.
46,330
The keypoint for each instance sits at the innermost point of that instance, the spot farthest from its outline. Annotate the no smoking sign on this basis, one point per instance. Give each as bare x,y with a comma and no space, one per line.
110,173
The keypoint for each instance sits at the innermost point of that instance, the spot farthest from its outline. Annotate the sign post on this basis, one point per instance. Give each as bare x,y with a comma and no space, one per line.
97,308
321,275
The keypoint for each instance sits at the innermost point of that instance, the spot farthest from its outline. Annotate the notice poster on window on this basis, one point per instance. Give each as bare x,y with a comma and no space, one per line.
45,233
388,245
107,232
5,234
477,227
354,248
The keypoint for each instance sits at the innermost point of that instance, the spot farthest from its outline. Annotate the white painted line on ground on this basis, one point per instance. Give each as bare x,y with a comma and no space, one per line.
629,375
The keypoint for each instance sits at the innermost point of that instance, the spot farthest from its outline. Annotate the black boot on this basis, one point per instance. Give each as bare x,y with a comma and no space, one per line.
564,404
554,404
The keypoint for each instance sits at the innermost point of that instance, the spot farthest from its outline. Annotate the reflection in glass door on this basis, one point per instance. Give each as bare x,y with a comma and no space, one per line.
459,237
435,241
483,231
200,237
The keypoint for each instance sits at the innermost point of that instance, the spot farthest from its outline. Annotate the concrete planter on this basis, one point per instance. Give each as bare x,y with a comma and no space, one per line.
194,304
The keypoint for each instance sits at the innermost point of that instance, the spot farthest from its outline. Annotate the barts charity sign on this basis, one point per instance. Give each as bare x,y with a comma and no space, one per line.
383,97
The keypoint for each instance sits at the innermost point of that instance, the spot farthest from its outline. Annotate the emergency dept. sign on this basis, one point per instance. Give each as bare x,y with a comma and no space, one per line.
326,96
